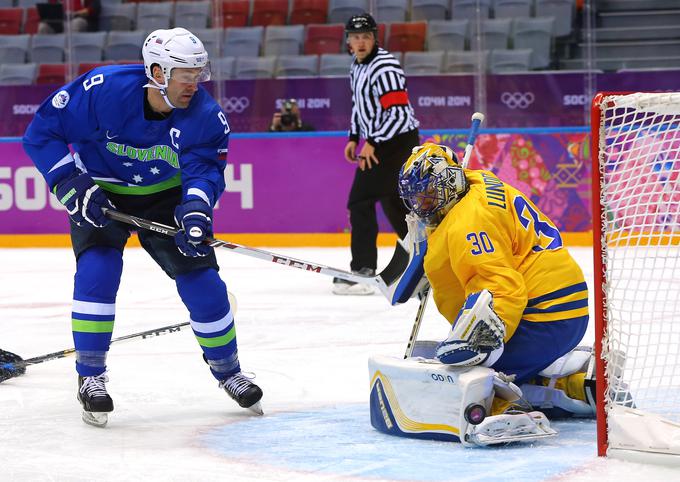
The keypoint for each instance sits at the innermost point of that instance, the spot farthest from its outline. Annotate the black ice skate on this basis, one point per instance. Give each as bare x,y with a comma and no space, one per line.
344,287
244,392
95,400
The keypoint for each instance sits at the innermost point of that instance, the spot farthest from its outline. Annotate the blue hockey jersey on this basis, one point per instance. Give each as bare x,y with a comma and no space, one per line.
101,116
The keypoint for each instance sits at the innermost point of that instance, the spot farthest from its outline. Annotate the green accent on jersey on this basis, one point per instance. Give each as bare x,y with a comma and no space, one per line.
67,196
174,181
218,341
87,326
152,153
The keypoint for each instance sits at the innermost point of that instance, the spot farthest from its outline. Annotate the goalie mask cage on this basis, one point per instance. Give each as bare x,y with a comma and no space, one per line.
636,251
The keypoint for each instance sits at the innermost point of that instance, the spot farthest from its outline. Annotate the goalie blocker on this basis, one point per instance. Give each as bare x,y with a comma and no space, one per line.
422,398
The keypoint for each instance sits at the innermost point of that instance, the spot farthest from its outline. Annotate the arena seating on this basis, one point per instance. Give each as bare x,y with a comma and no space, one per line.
438,35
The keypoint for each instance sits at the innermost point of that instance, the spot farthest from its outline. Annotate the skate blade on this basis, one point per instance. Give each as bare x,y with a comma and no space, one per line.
96,419
256,408
352,290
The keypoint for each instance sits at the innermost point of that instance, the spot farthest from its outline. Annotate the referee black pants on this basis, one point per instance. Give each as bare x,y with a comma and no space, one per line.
378,184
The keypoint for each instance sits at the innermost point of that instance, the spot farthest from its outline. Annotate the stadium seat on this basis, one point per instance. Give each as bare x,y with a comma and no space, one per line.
334,65
192,15
517,60
152,16
6,3
124,45
562,10
14,48
447,34
88,46
305,12
242,41
85,67
429,10
231,13
10,20
17,74
297,66
468,9
117,16
269,12
407,37
340,11
32,20
536,34
212,40
28,3
222,68
423,63
324,39
283,39
496,32
53,74
392,10
382,28
48,49
465,62
512,8
255,67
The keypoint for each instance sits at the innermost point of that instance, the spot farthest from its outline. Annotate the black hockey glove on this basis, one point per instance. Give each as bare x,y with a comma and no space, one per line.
10,365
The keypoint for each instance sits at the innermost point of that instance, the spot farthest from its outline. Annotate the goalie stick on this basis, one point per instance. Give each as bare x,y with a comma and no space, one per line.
424,293
387,281
17,367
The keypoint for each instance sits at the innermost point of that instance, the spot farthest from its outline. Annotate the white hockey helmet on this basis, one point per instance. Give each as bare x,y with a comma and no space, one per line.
175,48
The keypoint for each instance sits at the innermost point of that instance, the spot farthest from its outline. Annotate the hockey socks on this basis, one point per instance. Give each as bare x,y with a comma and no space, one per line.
205,296
97,279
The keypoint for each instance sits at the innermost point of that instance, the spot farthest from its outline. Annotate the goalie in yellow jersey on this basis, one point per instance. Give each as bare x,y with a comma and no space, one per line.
516,299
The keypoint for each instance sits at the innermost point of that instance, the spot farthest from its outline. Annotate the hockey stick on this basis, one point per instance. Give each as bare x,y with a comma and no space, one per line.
17,367
386,281
424,294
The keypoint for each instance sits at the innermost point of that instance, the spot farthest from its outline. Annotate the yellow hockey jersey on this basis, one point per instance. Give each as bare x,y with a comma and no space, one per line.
496,238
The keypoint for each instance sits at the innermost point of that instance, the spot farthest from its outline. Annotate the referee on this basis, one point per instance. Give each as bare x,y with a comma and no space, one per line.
383,116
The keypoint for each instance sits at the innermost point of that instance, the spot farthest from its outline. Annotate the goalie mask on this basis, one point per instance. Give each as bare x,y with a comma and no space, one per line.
431,180
172,49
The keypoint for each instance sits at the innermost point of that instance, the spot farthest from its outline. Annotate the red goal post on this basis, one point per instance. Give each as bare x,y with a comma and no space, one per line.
635,141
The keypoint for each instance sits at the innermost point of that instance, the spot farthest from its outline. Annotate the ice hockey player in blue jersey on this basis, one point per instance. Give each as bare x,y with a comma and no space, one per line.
152,142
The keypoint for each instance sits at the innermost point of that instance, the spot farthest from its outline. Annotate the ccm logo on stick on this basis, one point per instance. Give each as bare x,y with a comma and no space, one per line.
296,264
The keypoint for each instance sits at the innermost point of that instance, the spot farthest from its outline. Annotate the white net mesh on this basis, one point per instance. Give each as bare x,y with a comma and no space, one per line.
639,155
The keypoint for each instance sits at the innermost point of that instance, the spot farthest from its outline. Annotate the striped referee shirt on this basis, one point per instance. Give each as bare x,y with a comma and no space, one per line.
380,106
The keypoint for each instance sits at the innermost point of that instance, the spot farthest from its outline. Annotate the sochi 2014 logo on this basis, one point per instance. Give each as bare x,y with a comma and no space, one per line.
235,104
517,100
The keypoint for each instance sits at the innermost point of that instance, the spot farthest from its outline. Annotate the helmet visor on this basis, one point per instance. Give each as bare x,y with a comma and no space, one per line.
191,76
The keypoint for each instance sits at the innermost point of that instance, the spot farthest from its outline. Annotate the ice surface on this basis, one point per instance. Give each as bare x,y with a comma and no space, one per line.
309,350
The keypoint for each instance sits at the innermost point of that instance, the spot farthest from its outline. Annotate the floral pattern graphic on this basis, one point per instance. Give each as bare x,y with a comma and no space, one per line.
553,170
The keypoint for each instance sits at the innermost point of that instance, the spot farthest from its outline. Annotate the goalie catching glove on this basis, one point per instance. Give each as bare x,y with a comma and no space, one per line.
476,337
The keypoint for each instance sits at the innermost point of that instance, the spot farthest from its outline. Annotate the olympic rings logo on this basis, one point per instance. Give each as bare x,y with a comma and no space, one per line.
517,100
235,104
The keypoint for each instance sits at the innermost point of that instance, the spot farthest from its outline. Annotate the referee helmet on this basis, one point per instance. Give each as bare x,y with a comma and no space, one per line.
361,23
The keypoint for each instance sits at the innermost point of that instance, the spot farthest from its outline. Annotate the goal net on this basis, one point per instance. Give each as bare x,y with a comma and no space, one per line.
636,229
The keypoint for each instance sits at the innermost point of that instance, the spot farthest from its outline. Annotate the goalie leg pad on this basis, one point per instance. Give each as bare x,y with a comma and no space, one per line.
419,398
552,397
